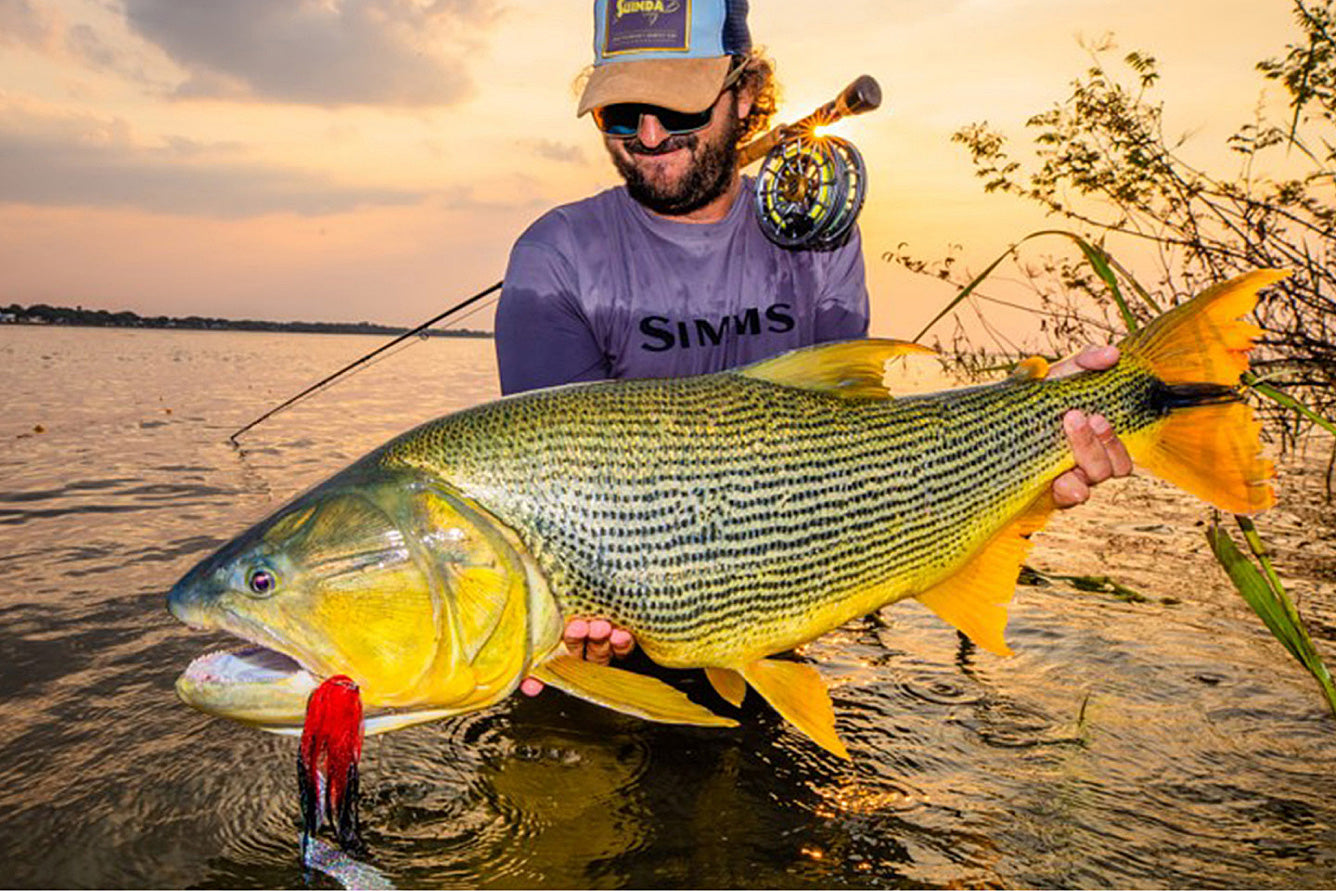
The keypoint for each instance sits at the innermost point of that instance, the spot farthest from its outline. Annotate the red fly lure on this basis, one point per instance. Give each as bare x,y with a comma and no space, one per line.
327,762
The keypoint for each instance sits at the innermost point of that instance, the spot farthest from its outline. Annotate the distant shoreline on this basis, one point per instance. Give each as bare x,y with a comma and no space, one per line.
42,314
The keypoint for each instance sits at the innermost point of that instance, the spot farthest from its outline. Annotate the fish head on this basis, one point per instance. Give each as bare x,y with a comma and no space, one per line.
390,577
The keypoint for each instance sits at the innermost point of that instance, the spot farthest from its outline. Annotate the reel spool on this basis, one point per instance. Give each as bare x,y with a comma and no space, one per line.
809,191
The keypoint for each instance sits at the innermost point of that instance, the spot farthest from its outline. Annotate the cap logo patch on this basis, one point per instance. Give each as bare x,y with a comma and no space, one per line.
636,26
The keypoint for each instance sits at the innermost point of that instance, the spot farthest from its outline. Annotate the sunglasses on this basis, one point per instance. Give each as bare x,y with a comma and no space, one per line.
622,120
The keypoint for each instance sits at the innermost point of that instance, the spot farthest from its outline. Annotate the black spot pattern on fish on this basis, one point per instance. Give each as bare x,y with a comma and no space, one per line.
714,511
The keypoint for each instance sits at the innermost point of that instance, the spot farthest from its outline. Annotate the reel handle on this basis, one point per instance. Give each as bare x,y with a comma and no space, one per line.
863,95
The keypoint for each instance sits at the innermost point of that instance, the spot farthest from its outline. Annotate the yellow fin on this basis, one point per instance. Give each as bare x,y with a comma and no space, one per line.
1212,451
1205,341
852,368
625,691
481,594
1212,448
974,599
1034,368
797,692
728,684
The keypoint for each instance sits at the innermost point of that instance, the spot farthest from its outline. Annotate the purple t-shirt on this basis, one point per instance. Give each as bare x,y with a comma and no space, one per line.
603,288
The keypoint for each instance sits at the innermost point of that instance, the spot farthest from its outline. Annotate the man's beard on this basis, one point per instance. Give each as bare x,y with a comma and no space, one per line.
708,176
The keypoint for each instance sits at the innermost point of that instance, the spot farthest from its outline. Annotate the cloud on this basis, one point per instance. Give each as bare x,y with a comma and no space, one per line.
84,44
552,150
319,52
22,23
46,30
87,162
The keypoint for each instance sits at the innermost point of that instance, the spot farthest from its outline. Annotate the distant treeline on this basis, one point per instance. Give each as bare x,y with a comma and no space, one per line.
41,314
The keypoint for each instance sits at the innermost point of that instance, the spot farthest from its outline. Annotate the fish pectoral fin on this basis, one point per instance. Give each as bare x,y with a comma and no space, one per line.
974,599
728,684
625,691
851,368
796,691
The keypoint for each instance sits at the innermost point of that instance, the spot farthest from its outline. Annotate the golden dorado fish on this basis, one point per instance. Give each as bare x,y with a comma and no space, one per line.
721,519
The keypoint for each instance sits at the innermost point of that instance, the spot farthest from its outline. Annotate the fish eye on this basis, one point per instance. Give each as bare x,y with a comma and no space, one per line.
261,582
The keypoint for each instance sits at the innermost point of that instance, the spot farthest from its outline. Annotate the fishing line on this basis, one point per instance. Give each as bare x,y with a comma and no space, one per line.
259,476
329,379
471,313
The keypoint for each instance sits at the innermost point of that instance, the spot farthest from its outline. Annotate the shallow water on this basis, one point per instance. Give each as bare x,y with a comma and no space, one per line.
1167,743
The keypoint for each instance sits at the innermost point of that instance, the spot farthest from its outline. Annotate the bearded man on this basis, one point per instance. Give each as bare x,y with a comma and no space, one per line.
670,274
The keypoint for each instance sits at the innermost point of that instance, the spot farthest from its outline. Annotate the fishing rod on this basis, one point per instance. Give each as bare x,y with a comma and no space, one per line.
329,379
862,95
808,192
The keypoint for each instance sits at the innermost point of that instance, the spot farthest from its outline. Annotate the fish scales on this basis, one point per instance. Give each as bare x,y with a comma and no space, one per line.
721,514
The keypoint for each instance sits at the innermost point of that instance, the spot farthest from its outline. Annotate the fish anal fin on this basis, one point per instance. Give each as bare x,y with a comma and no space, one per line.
974,599
853,368
796,691
625,691
728,684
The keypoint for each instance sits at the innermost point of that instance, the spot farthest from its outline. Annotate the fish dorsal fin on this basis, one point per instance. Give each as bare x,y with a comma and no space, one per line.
797,692
728,684
625,691
974,599
852,368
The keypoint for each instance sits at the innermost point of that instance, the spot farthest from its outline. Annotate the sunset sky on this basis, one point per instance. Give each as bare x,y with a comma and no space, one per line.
375,159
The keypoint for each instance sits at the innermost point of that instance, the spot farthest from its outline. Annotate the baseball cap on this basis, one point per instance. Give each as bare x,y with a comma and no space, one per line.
671,53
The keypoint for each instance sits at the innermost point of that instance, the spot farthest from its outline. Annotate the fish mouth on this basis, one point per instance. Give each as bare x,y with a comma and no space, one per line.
249,664
269,689
260,679
250,683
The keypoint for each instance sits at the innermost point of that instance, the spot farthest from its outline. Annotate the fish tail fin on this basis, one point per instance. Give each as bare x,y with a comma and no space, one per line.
1208,441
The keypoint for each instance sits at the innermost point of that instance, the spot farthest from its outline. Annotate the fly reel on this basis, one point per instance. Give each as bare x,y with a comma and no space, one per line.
809,190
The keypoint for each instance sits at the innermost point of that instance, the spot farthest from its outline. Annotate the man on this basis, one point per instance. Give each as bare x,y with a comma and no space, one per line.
670,274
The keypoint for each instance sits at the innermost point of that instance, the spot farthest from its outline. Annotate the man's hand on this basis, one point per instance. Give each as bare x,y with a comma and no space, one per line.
595,640
1098,451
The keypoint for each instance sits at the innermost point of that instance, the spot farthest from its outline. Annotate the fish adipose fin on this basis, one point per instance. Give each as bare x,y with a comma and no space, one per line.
728,684
1208,442
796,691
1034,368
974,599
852,368
625,691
